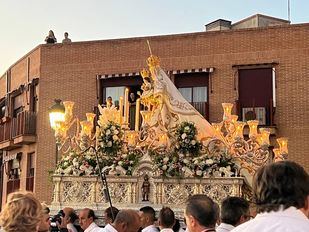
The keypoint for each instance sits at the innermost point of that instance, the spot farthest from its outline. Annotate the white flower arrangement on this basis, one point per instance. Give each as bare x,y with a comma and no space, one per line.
110,138
186,139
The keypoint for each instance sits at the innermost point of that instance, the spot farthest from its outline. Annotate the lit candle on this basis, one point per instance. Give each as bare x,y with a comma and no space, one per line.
68,105
239,128
231,126
227,108
120,110
253,128
131,138
217,127
126,106
234,118
90,117
264,136
146,115
86,128
283,145
137,109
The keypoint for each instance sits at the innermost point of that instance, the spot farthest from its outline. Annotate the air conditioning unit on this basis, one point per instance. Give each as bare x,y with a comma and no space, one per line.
260,114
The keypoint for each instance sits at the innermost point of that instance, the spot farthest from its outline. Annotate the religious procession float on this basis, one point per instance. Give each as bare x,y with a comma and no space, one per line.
172,153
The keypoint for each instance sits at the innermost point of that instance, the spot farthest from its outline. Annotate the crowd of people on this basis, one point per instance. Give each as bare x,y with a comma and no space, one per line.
280,196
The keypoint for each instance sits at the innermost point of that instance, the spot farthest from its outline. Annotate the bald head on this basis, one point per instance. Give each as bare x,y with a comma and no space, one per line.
127,221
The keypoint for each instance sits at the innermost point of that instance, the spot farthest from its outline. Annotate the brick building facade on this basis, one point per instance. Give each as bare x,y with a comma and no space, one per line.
221,61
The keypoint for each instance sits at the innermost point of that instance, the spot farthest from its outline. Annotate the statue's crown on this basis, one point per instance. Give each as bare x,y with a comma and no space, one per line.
153,61
145,73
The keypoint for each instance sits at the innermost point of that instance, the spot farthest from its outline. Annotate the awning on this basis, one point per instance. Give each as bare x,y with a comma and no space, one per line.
106,76
195,70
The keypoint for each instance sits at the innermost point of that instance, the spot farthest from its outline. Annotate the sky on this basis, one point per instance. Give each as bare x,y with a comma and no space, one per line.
24,24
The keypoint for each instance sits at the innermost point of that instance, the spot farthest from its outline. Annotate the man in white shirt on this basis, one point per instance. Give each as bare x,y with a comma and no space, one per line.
125,221
86,221
281,193
201,214
148,217
234,211
166,219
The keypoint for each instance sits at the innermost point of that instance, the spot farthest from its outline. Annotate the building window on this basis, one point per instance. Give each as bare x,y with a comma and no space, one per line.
186,93
2,108
194,88
17,105
255,95
14,170
115,93
13,183
30,171
115,88
194,94
34,98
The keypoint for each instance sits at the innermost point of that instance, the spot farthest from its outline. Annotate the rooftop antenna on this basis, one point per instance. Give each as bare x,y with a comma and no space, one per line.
289,11
149,47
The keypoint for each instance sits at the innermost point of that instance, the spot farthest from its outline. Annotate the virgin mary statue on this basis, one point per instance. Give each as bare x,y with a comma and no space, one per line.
168,105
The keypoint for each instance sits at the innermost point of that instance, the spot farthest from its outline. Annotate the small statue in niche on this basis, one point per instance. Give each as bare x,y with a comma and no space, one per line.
146,188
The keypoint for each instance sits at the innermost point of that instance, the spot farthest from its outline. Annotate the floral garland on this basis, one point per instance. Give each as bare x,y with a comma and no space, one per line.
218,166
85,164
110,138
77,164
179,165
187,160
186,139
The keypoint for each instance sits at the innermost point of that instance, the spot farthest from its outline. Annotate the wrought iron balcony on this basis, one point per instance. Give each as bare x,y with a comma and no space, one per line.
17,131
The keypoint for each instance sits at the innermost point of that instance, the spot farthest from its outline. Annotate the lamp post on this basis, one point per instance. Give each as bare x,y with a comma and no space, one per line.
56,117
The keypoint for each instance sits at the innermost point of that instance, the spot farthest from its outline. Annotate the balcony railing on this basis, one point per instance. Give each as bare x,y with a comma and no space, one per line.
5,131
23,125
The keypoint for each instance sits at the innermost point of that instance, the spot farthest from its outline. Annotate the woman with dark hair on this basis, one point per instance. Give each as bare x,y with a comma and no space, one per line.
50,39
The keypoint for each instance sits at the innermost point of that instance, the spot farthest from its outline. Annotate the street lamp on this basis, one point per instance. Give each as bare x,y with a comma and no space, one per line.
56,113
56,117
